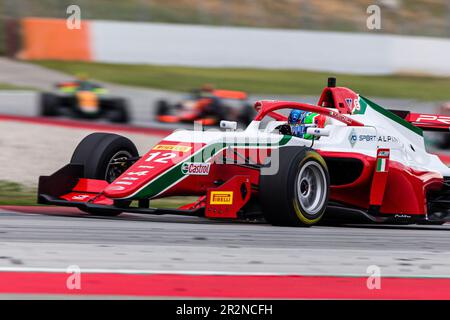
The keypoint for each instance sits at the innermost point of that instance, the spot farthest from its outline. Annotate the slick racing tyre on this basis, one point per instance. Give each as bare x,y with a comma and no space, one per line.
49,105
119,112
162,108
297,195
104,157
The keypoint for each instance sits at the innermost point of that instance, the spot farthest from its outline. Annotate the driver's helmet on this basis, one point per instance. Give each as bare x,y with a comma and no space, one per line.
300,121
206,91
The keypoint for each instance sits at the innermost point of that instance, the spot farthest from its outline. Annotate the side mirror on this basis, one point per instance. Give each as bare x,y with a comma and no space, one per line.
230,125
318,132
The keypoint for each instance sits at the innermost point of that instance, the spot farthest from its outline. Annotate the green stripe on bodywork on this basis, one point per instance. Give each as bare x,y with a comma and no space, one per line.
364,101
174,174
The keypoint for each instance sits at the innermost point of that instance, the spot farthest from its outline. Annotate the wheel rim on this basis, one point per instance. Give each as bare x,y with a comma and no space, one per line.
117,165
311,187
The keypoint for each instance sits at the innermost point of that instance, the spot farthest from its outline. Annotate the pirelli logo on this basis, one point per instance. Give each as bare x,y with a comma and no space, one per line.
172,147
221,197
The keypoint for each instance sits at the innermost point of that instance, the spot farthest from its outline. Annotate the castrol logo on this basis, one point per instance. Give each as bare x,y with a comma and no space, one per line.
195,168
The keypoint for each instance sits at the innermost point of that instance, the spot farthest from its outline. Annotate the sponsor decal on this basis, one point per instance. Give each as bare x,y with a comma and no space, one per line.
353,137
388,139
357,105
433,118
170,147
138,173
360,106
221,197
195,168
367,138
349,102
383,153
116,188
340,117
402,216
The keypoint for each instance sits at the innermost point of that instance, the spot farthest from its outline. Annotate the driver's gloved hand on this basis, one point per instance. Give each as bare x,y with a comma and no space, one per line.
285,129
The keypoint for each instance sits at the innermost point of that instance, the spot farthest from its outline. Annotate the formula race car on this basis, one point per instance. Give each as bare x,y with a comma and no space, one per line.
364,160
84,99
207,106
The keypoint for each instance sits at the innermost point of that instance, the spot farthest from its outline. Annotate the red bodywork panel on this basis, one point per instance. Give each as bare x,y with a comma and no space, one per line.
198,185
380,176
89,190
226,200
90,185
343,99
405,192
445,158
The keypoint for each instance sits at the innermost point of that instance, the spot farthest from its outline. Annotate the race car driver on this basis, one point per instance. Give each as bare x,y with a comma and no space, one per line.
299,121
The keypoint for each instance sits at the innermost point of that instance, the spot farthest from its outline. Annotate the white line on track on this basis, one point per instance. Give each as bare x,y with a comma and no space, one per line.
201,273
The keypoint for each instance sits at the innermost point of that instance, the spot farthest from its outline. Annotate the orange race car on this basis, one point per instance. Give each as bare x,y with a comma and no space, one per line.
207,106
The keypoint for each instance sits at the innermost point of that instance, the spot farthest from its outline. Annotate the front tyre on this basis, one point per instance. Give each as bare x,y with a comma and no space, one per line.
297,195
49,105
162,108
119,113
104,156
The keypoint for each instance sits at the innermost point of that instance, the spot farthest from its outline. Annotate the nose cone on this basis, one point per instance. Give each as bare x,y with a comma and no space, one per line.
158,170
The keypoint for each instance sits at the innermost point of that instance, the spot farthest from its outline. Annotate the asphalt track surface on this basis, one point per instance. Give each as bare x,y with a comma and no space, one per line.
55,238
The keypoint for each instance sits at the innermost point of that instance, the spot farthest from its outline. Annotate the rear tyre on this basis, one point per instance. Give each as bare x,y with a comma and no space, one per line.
162,108
103,156
297,195
49,105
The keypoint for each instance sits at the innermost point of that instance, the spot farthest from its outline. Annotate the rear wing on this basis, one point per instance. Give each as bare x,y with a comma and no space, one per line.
427,122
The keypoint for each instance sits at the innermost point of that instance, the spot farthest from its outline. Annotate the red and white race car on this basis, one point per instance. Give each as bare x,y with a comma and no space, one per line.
365,160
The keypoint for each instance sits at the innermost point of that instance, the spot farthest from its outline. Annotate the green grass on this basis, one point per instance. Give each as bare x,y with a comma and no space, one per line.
172,202
12,193
7,86
274,82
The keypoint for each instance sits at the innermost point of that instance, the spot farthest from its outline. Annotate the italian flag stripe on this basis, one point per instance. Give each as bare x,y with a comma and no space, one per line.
381,165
